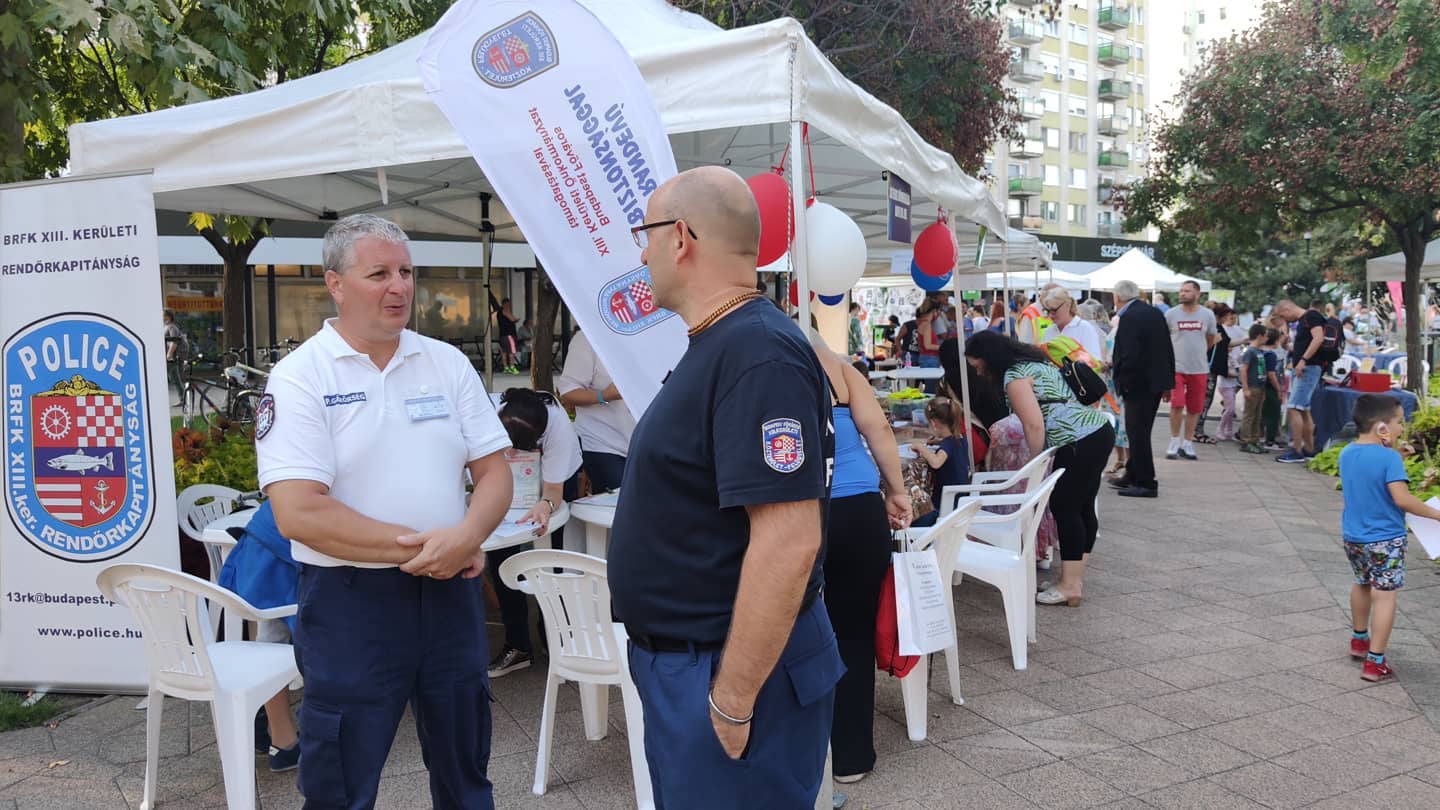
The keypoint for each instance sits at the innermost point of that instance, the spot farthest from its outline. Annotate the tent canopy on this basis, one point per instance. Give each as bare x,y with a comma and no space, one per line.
1392,267
1148,274
364,137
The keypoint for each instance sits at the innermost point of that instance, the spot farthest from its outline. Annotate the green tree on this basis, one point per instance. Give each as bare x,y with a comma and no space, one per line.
67,61
1327,110
940,63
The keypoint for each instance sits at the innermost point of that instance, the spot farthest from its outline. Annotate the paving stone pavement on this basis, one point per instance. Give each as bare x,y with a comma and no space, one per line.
1207,668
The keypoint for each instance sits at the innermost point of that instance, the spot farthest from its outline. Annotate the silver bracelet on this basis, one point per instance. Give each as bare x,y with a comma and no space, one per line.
734,721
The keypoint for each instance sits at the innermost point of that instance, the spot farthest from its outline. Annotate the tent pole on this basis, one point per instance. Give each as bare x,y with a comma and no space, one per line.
798,259
485,252
964,377
1005,279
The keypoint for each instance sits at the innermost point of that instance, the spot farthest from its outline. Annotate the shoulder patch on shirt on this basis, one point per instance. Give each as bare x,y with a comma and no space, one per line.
264,416
782,445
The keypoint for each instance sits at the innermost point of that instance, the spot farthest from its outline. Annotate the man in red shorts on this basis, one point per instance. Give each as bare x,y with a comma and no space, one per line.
1192,333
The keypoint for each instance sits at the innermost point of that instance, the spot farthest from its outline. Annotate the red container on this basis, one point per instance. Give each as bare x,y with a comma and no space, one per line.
1370,382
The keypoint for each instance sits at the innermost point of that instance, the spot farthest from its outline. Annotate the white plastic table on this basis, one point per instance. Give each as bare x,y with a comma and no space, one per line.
560,518
598,518
916,373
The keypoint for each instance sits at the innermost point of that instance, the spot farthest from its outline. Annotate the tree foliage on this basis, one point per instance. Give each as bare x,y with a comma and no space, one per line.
940,63
1326,111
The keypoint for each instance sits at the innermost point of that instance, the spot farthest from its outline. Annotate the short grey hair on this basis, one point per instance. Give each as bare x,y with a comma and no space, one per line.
1056,297
339,245
1094,310
1126,291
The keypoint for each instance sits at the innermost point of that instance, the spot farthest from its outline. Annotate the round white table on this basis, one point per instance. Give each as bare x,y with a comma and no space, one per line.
916,373
496,542
598,517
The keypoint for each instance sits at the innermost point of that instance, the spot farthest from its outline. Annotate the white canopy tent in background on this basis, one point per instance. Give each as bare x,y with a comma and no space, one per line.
365,137
1392,267
1148,274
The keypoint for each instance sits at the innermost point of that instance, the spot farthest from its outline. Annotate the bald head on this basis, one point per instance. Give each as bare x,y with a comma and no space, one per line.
717,205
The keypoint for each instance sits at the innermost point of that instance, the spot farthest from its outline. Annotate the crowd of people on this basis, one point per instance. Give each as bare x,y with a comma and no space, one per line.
747,573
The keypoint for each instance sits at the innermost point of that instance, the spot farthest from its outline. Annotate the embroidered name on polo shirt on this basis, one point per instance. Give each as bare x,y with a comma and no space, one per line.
331,400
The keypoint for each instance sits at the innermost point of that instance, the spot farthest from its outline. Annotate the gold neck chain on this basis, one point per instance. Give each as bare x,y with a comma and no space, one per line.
720,312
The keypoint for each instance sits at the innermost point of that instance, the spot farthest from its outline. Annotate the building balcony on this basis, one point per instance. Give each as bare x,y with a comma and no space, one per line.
1026,32
1026,3
1114,53
1027,148
1114,18
1109,230
1027,223
1112,159
1105,193
1031,109
1027,70
1026,186
1112,125
1114,90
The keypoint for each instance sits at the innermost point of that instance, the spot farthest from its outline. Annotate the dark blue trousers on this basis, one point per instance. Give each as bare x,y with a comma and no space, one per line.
784,764
369,641
605,470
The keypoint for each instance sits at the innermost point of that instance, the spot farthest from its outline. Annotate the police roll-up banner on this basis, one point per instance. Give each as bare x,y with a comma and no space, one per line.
88,476
558,117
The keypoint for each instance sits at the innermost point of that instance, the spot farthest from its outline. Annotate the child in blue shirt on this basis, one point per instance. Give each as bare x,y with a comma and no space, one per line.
950,461
1377,496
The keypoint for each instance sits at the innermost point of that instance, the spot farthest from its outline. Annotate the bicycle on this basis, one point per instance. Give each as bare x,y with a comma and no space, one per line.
243,386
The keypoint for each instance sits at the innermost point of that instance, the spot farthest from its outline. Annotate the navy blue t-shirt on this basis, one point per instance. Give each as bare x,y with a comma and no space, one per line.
743,420
955,470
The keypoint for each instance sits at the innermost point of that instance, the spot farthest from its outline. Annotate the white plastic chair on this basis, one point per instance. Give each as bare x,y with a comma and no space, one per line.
945,537
1399,369
587,647
1011,572
185,661
219,542
199,506
1346,364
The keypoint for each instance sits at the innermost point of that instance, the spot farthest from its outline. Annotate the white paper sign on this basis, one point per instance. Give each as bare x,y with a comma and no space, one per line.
89,480
922,611
559,118
1427,531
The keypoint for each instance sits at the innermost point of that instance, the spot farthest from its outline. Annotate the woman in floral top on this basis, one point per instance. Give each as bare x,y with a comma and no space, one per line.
1053,417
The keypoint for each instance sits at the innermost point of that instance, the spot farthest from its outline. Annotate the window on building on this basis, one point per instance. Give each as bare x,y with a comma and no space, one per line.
1052,137
1079,34
1140,86
1077,142
1014,208
1075,214
1077,178
1222,12
1052,101
1078,70
1051,63
1052,28
1139,52
1016,170
1200,18
1050,211
1103,218
1078,106
1138,12
1052,175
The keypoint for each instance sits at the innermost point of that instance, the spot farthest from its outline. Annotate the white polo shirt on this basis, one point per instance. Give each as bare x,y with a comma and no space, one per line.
391,444
559,444
1084,332
602,428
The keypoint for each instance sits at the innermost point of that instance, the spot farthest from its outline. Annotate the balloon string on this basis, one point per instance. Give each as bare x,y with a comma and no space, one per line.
809,161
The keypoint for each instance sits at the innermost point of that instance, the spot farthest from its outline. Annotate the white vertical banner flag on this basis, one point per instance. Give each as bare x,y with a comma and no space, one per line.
88,475
561,122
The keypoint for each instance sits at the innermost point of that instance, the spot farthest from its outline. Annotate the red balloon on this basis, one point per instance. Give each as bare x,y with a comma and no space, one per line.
936,251
795,294
772,194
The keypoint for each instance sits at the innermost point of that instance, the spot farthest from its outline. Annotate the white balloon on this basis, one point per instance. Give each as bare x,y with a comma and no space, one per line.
835,250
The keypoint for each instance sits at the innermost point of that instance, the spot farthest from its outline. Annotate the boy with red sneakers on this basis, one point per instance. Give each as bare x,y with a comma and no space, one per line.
1377,496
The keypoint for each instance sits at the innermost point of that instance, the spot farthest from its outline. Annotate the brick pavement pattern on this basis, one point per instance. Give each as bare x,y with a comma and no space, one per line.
1208,667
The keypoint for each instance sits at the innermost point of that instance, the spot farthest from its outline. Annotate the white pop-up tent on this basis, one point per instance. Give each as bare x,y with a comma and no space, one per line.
365,137
1392,267
1148,274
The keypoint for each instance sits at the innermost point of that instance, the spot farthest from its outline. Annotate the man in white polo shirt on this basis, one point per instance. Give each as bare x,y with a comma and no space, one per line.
364,436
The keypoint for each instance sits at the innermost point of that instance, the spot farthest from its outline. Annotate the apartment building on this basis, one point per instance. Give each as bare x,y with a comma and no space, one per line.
1084,82
1189,28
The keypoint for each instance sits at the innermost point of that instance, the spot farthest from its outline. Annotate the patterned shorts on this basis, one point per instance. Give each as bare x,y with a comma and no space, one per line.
1380,565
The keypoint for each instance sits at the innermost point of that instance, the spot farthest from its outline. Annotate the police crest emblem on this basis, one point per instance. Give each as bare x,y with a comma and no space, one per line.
515,52
627,304
79,478
782,445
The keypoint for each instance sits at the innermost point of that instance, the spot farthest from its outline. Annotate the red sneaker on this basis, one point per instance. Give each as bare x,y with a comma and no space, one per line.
1359,647
1376,673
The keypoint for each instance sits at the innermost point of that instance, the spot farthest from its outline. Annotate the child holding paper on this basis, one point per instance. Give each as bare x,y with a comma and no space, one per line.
1377,496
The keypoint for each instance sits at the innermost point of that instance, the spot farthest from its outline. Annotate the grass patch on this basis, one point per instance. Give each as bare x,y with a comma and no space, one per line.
14,714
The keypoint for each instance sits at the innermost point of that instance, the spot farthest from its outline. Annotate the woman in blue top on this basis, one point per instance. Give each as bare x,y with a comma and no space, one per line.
1053,417
857,553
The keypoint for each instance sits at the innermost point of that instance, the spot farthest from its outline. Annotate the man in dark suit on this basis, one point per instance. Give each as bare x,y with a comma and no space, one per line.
1143,366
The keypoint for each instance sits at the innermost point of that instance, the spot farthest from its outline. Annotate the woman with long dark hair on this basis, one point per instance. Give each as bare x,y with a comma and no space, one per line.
1051,416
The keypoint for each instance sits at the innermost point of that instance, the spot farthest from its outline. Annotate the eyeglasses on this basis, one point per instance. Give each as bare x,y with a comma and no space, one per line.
641,233
1053,310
